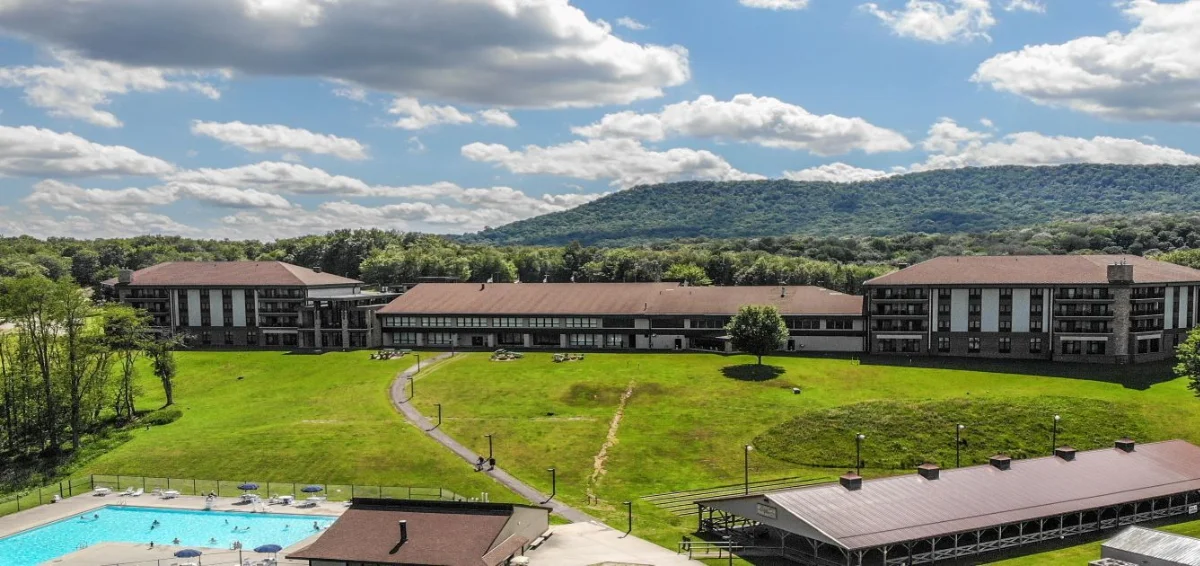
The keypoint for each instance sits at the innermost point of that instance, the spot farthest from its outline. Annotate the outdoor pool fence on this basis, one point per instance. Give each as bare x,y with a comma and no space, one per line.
223,488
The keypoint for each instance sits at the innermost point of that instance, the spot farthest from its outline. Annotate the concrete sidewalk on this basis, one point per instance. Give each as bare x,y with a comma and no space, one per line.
585,544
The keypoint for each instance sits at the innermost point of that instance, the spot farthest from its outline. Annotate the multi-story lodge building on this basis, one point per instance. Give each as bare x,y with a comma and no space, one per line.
641,316
252,304
1087,308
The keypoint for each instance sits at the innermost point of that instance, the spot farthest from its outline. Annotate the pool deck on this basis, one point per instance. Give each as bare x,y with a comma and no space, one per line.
113,553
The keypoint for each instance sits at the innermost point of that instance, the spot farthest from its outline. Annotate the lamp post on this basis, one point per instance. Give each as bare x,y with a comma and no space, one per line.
747,468
412,387
858,438
418,363
553,483
439,423
490,455
629,511
1054,435
958,445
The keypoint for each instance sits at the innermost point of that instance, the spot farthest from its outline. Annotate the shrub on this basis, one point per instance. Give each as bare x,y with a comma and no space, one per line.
162,417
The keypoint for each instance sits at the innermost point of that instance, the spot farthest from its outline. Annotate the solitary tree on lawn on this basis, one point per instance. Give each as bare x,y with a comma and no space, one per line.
757,329
1187,357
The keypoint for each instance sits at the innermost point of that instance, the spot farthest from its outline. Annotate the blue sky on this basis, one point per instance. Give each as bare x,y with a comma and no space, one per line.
274,118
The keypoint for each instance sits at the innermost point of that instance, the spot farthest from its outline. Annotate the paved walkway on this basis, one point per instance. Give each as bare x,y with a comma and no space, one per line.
400,400
590,544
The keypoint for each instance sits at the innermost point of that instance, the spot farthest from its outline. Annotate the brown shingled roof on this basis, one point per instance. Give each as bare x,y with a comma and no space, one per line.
232,273
438,535
1034,270
905,508
618,299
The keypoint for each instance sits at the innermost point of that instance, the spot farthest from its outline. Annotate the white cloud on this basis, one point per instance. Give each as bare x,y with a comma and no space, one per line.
531,53
415,116
946,136
987,123
275,137
764,121
625,161
495,117
631,24
415,145
117,224
64,196
36,152
75,86
275,177
835,173
775,4
1151,72
1026,6
937,21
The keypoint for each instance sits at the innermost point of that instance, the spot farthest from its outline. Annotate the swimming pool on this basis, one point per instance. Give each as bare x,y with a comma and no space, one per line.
211,529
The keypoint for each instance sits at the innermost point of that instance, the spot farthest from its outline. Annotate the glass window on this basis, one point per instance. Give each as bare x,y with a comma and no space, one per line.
943,325
943,343
1035,345
839,324
1005,345
583,339
228,338
973,345
543,322
614,340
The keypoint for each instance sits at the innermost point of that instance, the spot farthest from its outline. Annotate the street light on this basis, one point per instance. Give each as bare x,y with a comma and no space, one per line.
747,469
553,483
629,510
412,387
490,455
418,363
439,406
858,438
1054,435
958,445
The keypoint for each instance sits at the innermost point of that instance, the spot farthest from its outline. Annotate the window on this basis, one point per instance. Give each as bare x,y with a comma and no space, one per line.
206,338
583,339
1005,308
228,338
587,323
405,321
910,346
542,322
943,293
1035,324
290,339
438,321
972,345
1005,345
405,338
473,322
943,343
973,325
439,339
804,324
839,324
1006,326
974,308
624,323
1096,347
1006,292
975,293
943,308
887,345
666,323
508,322
1035,345
614,341
943,325
1072,347
251,338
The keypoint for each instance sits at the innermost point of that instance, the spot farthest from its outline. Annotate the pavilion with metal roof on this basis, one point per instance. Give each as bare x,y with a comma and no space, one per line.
943,515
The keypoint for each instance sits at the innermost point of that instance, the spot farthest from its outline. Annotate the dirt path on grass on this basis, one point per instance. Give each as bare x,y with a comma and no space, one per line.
610,440
400,400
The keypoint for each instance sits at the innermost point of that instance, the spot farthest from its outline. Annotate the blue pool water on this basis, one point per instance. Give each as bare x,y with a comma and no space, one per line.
132,524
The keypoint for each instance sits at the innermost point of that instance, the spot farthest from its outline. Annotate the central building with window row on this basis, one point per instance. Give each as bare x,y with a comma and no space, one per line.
643,316
1093,308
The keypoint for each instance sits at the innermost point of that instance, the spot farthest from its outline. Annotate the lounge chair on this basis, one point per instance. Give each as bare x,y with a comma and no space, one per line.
137,492
102,491
170,494
128,491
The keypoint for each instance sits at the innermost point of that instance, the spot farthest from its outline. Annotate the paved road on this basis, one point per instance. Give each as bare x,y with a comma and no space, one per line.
400,400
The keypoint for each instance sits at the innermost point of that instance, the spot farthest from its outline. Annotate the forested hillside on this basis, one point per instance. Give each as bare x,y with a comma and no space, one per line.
960,200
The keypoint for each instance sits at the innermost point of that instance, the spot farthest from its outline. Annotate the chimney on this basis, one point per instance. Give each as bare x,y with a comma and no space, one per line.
1000,462
403,532
929,471
316,269
1120,273
1125,445
1065,452
125,276
851,481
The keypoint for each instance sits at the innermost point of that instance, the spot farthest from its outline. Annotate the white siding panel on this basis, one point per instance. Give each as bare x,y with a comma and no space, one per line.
1183,307
990,318
1168,309
1020,310
216,315
239,307
193,307
958,310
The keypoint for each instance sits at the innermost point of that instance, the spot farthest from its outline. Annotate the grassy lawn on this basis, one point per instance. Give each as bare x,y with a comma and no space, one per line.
688,416
271,416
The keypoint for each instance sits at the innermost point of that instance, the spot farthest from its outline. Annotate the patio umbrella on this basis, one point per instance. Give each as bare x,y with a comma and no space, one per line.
187,553
312,489
248,487
268,549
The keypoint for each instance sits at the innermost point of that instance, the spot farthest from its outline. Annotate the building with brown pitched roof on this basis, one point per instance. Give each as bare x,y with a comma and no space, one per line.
952,516
427,533
1088,308
641,316
252,304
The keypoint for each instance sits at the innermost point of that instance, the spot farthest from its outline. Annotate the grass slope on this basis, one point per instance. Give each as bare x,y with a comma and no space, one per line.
686,423
302,418
960,200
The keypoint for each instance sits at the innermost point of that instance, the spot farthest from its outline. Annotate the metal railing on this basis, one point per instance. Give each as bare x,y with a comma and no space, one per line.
222,488
225,558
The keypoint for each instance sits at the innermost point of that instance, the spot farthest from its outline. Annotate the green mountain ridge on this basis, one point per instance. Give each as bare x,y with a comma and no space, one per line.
945,201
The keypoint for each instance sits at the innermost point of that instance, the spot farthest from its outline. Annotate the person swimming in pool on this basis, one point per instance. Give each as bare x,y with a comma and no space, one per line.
212,540
316,526
176,541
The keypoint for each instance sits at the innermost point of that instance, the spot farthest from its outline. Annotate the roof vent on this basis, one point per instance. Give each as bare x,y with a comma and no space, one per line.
1120,273
1065,452
125,276
851,481
403,532
1124,445
929,471
1000,462
316,269
782,292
